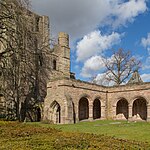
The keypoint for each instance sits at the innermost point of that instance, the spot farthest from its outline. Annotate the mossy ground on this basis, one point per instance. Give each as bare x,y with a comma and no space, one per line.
38,136
139,131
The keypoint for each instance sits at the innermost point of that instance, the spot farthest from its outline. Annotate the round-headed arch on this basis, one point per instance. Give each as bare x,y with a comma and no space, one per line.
83,108
122,108
139,108
97,108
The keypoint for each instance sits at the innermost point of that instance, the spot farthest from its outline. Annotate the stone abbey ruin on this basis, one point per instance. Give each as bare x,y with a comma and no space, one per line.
69,100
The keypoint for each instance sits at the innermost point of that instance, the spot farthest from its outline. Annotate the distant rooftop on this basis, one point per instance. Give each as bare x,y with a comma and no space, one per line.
135,78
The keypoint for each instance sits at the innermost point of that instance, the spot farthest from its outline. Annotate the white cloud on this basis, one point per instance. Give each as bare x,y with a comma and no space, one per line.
126,12
146,42
95,43
145,77
92,65
79,17
146,64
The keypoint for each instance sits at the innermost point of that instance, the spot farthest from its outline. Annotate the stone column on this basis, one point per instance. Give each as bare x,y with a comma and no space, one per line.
63,119
90,111
113,112
77,112
148,112
103,112
130,112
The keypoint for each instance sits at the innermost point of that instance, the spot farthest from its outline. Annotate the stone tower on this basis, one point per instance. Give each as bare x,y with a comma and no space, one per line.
63,42
61,57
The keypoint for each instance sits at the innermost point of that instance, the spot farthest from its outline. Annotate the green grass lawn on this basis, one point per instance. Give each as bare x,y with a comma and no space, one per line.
105,135
139,131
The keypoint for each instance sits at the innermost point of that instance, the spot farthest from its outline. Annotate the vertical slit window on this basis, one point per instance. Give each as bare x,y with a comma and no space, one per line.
54,64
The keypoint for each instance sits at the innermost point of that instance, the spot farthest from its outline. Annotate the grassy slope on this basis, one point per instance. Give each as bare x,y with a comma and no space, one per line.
139,131
38,136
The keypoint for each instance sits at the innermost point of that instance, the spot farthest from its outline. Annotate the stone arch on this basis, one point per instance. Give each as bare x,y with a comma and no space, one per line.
83,108
122,111
96,109
71,116
55,112
139,108
115,100
137,97
84,95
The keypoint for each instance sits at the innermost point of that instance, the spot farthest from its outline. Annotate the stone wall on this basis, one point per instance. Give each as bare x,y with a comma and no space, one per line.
130,93
2,106
68,93
39,27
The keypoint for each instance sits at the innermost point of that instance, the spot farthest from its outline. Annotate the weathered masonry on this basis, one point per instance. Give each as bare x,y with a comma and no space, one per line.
36,44
69,100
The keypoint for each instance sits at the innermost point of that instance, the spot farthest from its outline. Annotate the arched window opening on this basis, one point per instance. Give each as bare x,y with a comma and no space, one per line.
54,64
56,112
96,109
122,109
139,109
83,109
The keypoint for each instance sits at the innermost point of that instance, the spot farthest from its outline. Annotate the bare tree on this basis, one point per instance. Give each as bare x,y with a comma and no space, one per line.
120,66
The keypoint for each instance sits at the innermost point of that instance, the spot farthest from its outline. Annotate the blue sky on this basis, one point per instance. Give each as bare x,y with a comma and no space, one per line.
96,27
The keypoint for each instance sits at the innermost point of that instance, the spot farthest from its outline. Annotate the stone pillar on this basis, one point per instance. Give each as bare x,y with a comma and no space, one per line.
90,111
113,112
130,112
77,112
148,112
63,114
54,115
103,111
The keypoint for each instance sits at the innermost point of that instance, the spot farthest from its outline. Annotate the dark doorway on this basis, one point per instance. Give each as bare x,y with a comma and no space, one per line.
140,108
96,109
122,108
83,109
56,112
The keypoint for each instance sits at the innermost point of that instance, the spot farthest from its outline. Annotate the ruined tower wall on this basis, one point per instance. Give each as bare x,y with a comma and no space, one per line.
61,56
